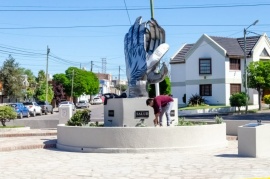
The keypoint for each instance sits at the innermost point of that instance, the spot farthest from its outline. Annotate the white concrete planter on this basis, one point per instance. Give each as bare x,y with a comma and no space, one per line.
139,139
254,140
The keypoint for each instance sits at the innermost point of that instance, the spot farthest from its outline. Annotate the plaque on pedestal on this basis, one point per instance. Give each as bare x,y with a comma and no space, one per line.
129,112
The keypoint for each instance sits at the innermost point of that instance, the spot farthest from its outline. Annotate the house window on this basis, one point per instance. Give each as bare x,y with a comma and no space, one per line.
234,64
205,66
206,90
235,88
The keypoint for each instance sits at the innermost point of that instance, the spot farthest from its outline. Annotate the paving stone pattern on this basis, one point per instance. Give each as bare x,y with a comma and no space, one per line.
187,164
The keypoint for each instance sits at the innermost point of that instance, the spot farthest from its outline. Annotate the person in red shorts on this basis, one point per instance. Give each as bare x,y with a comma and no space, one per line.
161,104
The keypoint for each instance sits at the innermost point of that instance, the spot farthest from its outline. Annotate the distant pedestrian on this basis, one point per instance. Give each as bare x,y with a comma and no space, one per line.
161,104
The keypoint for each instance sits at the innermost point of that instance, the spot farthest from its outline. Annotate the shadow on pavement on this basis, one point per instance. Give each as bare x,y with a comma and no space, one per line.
231,156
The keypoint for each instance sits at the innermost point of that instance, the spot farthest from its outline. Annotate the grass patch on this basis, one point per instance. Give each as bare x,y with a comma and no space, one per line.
10,127
202,107
183,122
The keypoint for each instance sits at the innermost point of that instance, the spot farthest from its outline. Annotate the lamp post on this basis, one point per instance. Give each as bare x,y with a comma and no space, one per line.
152,16
245,56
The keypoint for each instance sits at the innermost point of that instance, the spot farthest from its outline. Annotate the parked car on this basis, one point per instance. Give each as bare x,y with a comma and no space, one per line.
67,102
82,104
20,109
113,95
46,107
97,100
33,108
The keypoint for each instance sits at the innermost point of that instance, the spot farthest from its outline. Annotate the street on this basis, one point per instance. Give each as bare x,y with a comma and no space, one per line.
51,120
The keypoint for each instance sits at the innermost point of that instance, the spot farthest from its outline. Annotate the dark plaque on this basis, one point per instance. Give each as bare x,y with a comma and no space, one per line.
139,114
111,113
172,113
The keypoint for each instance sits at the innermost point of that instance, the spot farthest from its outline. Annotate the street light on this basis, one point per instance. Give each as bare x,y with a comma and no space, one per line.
245,56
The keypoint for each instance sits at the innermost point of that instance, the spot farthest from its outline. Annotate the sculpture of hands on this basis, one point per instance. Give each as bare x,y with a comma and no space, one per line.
144,47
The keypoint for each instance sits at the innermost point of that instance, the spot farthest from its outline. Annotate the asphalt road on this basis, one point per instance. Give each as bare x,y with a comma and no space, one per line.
97,114
52,120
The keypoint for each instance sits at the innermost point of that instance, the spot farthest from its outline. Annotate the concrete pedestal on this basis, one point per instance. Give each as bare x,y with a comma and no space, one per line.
254,140
65,113
129,112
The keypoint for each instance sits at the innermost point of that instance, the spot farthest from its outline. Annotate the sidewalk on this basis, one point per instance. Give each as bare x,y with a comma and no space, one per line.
28,139
40,162
186,164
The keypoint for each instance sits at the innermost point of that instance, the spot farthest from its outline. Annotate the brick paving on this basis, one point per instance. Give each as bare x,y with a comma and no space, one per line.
50,162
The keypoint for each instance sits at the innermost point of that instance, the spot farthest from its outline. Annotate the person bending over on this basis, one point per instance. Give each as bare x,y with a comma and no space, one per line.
161,104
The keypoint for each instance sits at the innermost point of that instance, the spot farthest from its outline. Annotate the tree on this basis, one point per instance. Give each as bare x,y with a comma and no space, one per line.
238,100
84,82
164,87
58,90
258,77
41,76
6,114
31,88
11,77
41,88
122,87
266,100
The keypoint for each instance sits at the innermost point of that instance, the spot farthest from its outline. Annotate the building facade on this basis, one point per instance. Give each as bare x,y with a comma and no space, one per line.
214,67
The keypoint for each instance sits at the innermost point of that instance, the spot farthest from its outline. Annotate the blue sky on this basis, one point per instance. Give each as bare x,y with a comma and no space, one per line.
78,32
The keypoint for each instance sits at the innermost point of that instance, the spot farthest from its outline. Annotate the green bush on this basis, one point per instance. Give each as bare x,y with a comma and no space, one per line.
266,99
183,122
238,100
7,113
218,119
80,118
196,100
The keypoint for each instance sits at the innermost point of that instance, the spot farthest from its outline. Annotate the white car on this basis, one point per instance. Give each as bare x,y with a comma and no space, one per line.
82,104
97,100
33,108
68,102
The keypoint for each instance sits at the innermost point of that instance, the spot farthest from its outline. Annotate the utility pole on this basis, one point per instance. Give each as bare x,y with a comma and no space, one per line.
152,16
72,81
245,62
91,66
48,51
119,81
103,65
152,9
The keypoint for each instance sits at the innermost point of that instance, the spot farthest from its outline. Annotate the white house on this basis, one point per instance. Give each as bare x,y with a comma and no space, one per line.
213,67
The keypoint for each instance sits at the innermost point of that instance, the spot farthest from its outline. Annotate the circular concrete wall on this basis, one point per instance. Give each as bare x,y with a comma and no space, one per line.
137,139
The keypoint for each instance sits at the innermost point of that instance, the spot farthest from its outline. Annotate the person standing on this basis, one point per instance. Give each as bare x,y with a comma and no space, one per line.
161,104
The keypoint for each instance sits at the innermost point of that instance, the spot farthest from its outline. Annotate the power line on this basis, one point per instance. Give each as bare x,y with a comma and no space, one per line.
140,8
63,27
109,26
127,12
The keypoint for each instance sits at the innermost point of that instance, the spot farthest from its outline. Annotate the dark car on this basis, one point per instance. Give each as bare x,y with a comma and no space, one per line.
46,107
112,95
20,109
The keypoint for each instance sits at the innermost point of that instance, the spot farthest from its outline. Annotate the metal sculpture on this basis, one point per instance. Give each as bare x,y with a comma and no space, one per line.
144,47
